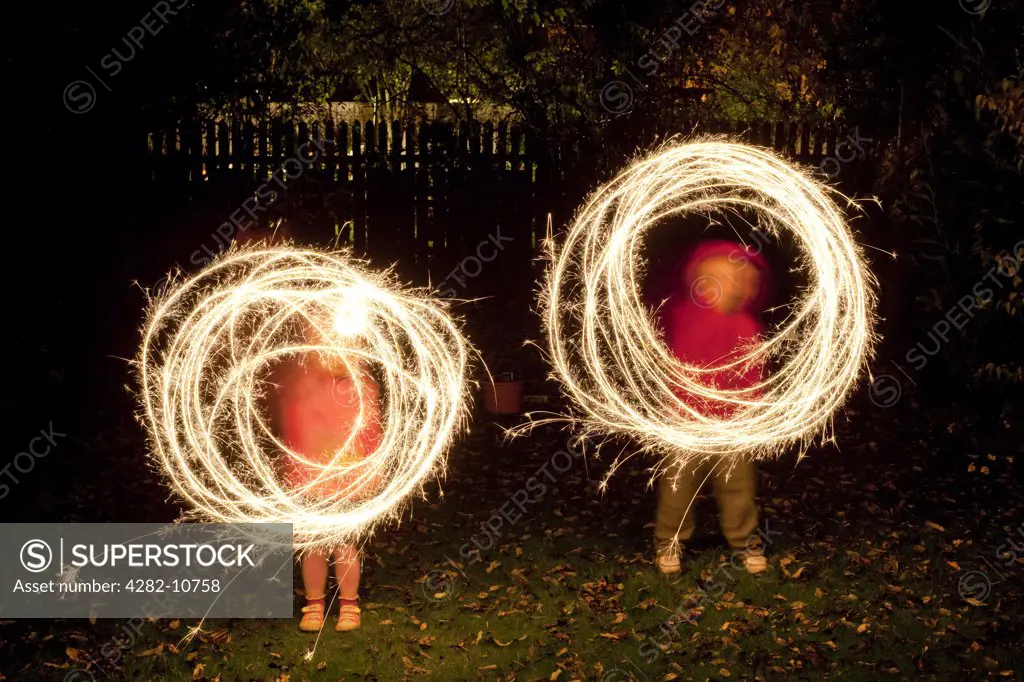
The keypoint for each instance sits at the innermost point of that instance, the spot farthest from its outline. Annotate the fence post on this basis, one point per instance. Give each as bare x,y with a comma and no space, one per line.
223,148
780,137
421,185
329,142
359,188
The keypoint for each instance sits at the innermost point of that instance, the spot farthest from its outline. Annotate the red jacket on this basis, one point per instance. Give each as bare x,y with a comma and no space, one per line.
699,335
319,412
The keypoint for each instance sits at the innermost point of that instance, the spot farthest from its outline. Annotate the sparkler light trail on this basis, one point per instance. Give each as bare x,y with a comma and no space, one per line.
615,366
210,345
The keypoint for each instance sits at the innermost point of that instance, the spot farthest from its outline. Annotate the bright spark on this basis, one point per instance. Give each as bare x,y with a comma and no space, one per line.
192,633
70,575
209,345
604,344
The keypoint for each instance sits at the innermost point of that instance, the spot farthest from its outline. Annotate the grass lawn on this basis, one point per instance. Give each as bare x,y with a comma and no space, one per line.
871,547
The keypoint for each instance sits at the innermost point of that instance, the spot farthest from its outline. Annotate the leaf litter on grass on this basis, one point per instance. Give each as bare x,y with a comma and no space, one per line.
866,580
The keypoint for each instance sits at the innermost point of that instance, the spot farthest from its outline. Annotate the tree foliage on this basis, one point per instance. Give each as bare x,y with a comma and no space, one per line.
953,188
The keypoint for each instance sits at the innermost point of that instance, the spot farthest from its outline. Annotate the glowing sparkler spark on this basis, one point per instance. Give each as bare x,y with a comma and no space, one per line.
210,344
350,318
613,363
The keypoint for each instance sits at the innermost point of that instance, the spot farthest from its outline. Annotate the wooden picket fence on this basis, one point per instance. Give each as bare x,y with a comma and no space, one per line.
420,188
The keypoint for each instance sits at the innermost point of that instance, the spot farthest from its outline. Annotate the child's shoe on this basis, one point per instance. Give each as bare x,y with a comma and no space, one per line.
312,616
754,560
348,618
668,558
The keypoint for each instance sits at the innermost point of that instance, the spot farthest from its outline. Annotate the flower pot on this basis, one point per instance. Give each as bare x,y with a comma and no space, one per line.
503,397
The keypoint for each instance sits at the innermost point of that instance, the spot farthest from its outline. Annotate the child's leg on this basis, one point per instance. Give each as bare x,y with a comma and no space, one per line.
314,581
346,568
675,520
314,575
737,509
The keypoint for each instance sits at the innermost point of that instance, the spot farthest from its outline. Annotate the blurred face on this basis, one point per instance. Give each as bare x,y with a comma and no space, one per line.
724,284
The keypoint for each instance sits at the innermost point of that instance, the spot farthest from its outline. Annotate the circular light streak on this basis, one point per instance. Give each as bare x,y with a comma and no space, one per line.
210,345
613,363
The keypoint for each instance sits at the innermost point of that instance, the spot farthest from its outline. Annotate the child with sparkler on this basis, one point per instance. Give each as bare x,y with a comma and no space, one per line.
712,318
323,404
326,404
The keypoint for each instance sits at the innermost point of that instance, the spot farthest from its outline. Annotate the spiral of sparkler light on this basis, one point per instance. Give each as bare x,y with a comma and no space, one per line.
206,364
604,344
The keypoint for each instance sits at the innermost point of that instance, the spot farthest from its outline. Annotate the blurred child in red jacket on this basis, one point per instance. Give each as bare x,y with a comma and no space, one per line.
713,316
325,402
329,405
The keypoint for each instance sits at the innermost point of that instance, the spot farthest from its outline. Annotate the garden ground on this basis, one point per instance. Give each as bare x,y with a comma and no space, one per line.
884,557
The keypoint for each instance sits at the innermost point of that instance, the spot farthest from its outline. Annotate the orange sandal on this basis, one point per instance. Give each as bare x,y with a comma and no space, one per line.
348,618
667,557
312,617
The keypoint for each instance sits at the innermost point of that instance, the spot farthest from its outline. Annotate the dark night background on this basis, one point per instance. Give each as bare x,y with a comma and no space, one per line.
899,555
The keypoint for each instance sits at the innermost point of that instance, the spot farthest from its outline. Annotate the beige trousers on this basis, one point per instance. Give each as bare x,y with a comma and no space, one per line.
734,491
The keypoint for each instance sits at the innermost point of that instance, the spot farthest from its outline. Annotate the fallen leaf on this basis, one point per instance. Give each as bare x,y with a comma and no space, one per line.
412,666
158,650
